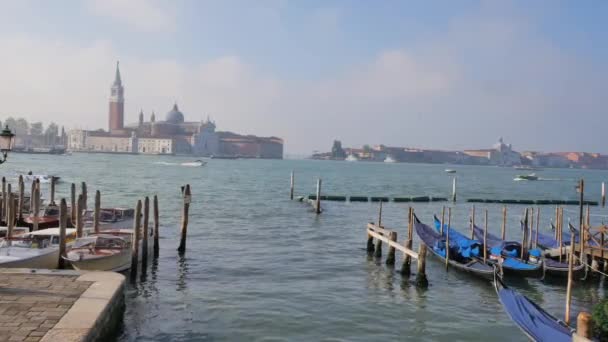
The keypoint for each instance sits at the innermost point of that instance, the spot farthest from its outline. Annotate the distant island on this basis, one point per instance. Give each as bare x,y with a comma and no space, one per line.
500,154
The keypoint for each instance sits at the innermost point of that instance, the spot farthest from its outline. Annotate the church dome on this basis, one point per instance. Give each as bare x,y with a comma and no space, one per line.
174,115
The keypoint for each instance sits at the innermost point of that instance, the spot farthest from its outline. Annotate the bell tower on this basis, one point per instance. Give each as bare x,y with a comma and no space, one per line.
117,104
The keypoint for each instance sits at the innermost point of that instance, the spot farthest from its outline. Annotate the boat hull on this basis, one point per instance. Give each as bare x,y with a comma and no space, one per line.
48,260
115,262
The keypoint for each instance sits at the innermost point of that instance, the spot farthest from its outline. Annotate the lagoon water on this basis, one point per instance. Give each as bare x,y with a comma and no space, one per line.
260,267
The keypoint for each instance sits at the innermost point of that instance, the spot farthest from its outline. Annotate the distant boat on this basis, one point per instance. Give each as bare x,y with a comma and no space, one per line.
389,159
527,167
450,171
351,158
195,163
530,177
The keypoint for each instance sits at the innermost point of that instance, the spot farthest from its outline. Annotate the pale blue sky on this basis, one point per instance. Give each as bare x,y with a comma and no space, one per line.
440,74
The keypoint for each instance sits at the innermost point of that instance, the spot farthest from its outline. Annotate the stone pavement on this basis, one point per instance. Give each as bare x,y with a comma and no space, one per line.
31,304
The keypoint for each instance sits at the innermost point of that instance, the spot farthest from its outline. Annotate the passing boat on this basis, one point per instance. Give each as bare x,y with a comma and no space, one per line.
41,178
463,252
536,323
389,159
100,252
530,177
351,158
507,255
450,171
196,163
39,249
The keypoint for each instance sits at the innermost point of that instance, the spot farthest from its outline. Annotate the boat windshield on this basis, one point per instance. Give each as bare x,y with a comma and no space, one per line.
30,242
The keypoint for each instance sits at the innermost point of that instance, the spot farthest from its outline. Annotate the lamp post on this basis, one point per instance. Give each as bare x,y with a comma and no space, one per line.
7,139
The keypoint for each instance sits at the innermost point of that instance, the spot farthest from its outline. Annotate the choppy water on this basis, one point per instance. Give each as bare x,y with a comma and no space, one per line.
262,268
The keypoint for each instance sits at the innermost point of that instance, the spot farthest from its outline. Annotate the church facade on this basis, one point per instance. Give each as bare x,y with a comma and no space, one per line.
173,135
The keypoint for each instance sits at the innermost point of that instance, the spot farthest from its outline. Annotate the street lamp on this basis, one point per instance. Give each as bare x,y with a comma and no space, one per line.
6,142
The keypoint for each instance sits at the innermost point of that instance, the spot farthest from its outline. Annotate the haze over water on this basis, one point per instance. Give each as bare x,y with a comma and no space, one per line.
261,267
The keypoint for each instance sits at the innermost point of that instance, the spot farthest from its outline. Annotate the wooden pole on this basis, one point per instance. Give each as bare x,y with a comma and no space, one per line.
10,214
52,199
21,195
33,190
504,222
525,232
318,200
559,232
370,244
156,227
569,285
537,226
447,239
185,210
378,249
603,194
7,202
144,246
292,184
531,229
63,223
84,195
581,225
421,280
584,325
390,258
380,215
135,242
97,211
473,223
556,219
73,205
442,220
454,189
407,260
485,237
79,211
36,209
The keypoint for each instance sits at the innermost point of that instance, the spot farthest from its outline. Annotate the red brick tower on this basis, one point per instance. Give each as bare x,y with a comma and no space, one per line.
117,104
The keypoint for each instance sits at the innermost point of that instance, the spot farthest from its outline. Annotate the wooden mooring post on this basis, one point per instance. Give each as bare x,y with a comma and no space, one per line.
473,223
584,325
10,214
135,242
156,227
291,186
390,257
447,239
185,210
485,237
318,200
454,189
570,280
79,211
97,211
32,191
146,235
63,223
21,198
36,208
603,194
3,216
421,280
407,260
73,205
7,202
504,222
52,199
85,197
378,249
442,220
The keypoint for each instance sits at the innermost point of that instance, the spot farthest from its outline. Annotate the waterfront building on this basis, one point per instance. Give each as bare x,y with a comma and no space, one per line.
173,135
500,154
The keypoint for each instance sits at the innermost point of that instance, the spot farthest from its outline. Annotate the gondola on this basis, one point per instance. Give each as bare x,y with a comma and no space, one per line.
505,254
463,254
551,266
535,322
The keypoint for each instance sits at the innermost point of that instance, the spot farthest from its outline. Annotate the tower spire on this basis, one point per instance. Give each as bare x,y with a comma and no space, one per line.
117,80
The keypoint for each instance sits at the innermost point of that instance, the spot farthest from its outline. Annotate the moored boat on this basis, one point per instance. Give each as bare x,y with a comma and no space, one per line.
48,217
111,218
39,249
536,323
100,252
463,252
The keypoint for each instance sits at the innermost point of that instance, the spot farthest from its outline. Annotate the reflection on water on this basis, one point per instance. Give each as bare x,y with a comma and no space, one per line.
261,267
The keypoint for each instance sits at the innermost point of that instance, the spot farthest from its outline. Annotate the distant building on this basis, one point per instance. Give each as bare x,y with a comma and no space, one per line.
173,135
500,154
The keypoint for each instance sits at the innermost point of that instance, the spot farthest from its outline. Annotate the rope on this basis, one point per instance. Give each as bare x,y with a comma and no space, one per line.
590,267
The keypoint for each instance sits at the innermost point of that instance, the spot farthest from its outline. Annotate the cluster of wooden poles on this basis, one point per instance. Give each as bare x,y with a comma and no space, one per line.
382,234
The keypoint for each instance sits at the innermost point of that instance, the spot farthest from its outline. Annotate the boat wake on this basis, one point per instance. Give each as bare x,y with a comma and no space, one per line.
197,163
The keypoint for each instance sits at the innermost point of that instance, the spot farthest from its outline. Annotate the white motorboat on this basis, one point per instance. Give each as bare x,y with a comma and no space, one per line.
351,158
389,159
111,218
101,252
39,249
196,163
17,231
42,178
450,171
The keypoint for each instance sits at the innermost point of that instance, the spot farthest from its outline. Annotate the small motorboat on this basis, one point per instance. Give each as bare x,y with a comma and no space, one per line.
39,249
195,163
17,231
100,252
111,218
48,217
389,159
530,177
351,158
450,171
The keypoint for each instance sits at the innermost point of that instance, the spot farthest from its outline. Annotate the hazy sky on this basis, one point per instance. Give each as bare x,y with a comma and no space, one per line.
439,74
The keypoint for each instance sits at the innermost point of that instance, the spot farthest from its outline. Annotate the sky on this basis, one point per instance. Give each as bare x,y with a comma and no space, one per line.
434,74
